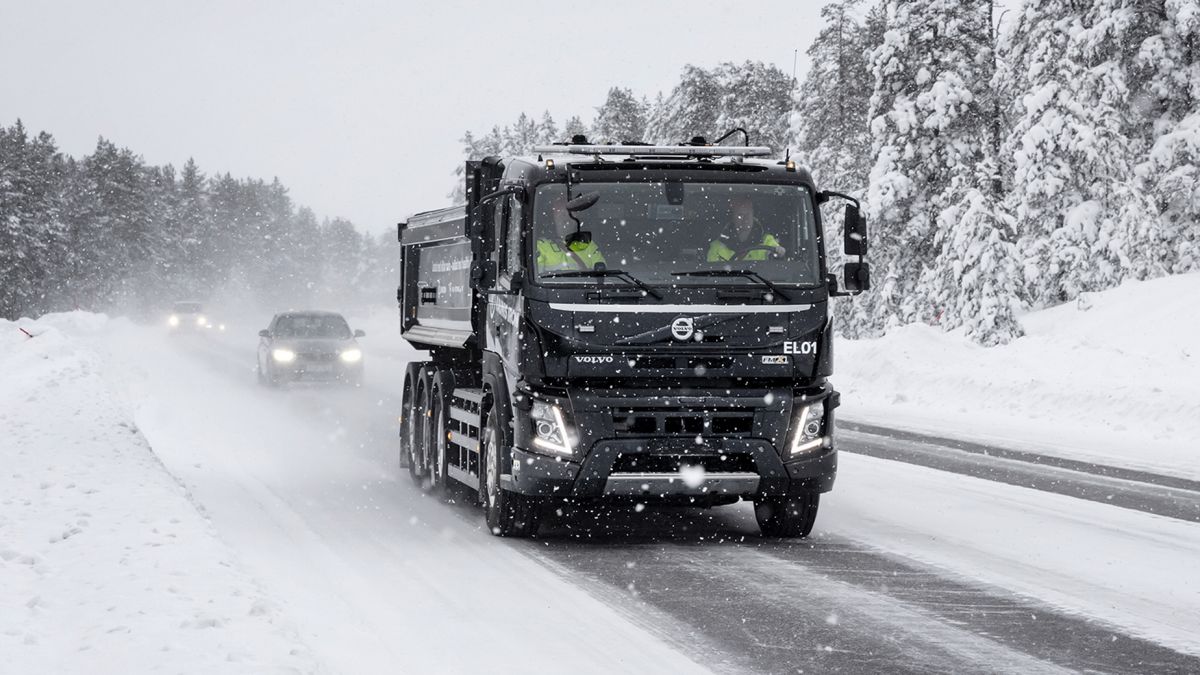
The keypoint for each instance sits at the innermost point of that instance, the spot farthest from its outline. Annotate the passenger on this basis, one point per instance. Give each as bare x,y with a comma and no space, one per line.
748,241
553,252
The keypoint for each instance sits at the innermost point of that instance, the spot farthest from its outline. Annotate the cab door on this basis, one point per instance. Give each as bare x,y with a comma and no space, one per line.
504,306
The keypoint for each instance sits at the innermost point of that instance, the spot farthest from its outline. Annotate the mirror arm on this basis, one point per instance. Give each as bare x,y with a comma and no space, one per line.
824,196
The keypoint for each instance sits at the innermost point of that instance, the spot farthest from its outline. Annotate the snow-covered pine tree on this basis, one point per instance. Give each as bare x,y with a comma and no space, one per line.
934,60
758,98
1170,171
1072,190
828,131
691,109
828,124
574,127
31,231
975,282
547,131
621,118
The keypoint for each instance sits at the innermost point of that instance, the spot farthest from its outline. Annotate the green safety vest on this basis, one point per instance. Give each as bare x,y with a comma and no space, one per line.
719,251
551,257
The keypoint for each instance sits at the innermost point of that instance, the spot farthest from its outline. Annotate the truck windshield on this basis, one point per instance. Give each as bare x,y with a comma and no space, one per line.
654,229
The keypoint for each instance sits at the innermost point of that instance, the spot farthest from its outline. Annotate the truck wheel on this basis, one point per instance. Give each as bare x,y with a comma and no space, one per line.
509,514
787,516
439,444
420,421
406,414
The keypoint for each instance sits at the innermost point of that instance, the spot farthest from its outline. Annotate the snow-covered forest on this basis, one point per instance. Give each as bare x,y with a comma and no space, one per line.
108,232
1008,162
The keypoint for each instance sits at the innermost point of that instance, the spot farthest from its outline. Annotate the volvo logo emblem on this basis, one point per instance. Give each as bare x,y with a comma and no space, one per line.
682,328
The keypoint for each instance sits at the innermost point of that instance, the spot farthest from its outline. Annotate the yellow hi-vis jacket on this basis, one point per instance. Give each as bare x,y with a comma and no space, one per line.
552,256
719,251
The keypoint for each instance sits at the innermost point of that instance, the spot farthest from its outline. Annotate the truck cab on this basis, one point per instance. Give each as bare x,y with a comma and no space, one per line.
646,323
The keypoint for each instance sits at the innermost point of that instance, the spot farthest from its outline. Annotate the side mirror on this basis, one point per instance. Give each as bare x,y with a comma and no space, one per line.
264,333
583,202
858,277
360,333
855,232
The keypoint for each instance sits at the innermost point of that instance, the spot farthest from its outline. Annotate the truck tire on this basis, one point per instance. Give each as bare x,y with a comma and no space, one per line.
417,459
789,517
439,425
508,514
406,416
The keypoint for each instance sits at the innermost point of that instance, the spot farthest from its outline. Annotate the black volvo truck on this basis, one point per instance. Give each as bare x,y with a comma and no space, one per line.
626,322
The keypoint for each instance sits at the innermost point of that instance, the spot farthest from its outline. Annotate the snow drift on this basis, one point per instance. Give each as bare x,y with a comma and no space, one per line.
1113,378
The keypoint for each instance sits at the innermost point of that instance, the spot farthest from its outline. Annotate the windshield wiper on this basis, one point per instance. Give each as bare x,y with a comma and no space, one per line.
619,274
747,274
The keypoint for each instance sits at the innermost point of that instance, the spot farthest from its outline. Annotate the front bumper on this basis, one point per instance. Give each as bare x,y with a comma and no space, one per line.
593,478
684,464
325,370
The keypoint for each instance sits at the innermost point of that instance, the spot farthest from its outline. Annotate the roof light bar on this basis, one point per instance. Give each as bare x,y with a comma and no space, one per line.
673,150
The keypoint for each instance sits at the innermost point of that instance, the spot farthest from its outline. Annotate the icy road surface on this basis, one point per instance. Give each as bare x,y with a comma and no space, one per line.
911,569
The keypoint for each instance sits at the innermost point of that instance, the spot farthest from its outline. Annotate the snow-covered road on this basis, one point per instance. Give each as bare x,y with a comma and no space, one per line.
911,569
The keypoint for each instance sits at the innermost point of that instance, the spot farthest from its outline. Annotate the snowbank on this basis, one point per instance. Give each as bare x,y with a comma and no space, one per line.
1112,378
105,563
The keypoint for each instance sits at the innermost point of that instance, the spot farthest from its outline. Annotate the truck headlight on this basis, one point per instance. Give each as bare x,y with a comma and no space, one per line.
173,321
283,355
200,320
351,356
807,429
549,428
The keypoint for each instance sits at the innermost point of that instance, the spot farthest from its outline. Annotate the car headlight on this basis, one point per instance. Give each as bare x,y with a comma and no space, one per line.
351,355
807,429
549,428
173,321
283,355
200,321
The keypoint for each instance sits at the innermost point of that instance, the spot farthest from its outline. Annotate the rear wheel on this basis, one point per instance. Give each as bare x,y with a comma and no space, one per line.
790,517
509,514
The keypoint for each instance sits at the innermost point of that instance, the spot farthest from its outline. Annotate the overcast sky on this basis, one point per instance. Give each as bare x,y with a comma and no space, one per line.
356,106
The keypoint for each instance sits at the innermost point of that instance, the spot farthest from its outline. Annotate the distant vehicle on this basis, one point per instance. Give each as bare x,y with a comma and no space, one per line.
309,346
187,316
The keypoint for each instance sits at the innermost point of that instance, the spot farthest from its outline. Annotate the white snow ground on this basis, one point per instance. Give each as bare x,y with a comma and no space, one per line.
106,564
1114,379
312,557
374,576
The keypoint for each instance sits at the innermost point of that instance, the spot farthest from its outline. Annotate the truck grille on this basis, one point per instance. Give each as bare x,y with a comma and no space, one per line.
671,422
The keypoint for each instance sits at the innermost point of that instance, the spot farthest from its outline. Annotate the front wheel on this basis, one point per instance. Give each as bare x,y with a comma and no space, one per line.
789,517
509,514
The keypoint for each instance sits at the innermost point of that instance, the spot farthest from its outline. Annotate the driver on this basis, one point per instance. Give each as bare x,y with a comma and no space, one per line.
553,253
747,241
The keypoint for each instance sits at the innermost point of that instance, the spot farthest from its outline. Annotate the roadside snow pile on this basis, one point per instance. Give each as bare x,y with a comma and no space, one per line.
1112,378
105,563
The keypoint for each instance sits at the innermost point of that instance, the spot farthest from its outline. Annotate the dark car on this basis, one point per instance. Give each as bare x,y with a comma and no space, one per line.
309,346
